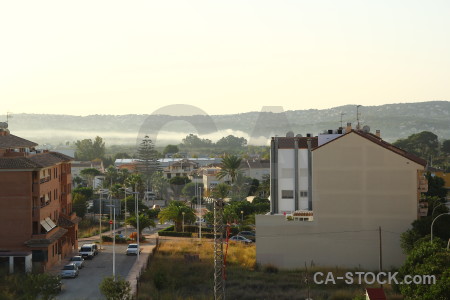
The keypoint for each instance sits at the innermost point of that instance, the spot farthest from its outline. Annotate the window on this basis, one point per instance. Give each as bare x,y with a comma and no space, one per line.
287,194
287,173
304,194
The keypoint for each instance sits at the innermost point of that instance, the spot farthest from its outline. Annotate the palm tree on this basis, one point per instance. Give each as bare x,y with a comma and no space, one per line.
174,212
221,191
144,222
230,166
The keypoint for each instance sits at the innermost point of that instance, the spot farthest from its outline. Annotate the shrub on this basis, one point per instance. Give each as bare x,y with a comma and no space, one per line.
160,280
270,269
119,289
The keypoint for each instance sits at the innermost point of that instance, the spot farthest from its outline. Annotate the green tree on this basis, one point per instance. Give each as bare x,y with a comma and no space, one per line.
131,204
231,142
89,174
111,175
118,289
135,182
171,149
179,180
421,228
87,192
230,166
427,258
221,191
148,158
174,212
159,184
436,186
261,206
89,150
424,144
79,205
264,186
446,147
77,180
189,189
144,222
193,141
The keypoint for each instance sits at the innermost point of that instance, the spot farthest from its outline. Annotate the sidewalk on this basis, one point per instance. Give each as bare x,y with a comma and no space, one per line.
141,263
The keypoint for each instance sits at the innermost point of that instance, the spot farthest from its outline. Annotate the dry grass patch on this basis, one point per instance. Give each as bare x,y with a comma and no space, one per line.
171,276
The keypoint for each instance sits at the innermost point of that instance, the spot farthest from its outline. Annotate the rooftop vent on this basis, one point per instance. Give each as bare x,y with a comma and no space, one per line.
290,134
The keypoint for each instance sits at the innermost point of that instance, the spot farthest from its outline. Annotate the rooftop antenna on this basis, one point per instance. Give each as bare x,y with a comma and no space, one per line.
341,118
357,117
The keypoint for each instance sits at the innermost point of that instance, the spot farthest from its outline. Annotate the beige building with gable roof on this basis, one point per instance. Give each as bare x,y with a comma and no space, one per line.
359,184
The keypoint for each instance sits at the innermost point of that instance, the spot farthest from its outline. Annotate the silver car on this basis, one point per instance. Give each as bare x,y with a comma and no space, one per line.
240,239
133,249
78,260
69,271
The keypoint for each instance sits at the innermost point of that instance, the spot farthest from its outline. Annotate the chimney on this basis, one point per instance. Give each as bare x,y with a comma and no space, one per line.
378,133
349,127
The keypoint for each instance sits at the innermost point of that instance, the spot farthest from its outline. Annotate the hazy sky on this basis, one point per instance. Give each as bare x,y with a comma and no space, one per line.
118,57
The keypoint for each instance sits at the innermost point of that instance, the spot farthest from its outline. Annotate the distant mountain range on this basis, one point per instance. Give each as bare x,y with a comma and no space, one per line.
394,120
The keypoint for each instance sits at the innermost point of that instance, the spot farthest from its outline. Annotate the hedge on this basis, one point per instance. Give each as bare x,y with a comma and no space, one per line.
169,232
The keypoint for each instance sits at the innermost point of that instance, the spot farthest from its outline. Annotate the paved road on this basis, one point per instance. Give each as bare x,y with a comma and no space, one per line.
86,285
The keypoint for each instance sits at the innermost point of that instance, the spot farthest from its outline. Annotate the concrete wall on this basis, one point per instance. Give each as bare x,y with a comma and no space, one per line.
357,187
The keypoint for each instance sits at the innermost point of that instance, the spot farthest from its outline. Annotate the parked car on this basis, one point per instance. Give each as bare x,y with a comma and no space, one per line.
78,260
132,249
89,251
69,271
248,235
240,239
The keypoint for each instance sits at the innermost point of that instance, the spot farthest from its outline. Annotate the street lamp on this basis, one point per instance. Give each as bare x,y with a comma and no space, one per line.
101,192
199,200
445,203
114,239
137,218
432,223
183,219
125,213
242,216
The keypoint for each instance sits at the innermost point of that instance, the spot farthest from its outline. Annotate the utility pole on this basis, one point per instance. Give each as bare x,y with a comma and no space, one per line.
381,249
219,268
200,213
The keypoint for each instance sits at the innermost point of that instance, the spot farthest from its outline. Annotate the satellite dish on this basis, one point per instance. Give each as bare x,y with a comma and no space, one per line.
299,135
290,134
366,129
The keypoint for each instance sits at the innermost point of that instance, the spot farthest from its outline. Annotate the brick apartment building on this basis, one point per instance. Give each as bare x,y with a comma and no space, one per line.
37,225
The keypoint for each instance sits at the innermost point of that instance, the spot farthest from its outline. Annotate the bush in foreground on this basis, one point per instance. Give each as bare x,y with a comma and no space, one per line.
116,290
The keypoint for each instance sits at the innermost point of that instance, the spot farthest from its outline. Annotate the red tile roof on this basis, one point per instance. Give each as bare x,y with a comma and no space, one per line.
377,140
37,161
376,294
10,141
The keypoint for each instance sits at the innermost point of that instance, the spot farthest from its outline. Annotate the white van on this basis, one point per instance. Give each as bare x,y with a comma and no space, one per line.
88,251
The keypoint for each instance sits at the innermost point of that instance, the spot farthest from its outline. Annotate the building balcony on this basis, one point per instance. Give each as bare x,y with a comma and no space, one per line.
301,215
